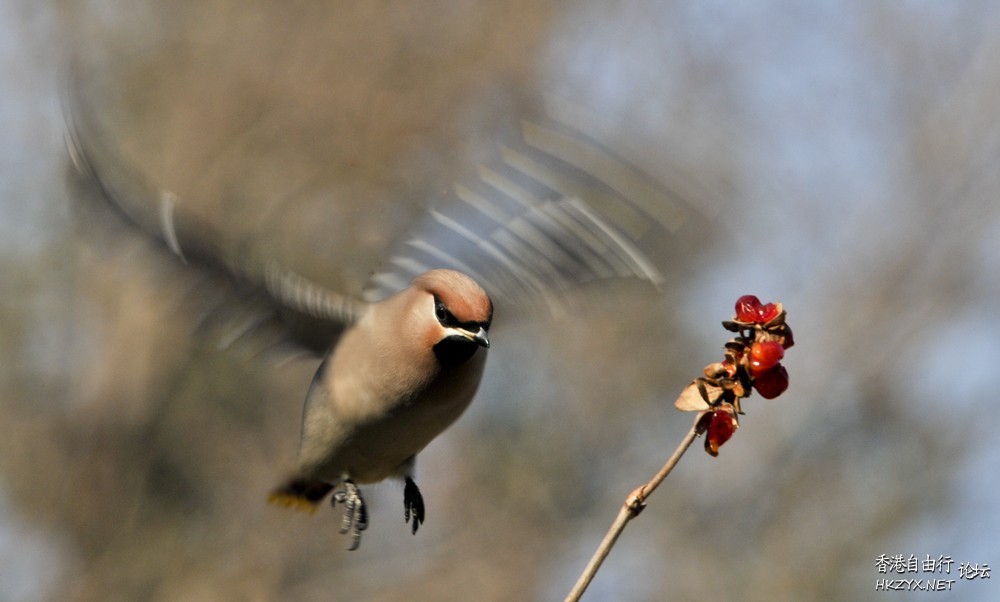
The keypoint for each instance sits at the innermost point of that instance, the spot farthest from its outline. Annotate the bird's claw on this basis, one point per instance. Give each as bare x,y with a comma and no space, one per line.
413,503
355,512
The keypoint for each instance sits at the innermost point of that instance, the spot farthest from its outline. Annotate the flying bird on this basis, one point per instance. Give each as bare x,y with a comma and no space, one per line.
402,364
402,374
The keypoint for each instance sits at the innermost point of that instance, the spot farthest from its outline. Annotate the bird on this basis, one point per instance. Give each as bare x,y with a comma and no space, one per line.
401,364
402,374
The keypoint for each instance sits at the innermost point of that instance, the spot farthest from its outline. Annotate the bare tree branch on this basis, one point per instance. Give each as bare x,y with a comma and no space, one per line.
634,504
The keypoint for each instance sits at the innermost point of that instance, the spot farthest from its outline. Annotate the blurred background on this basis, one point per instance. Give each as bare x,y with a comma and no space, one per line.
841,157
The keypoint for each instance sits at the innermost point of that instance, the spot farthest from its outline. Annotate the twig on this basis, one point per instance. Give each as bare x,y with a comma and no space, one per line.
634,504
752,363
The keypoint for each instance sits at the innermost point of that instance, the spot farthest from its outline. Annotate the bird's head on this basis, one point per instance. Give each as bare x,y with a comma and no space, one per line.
461,310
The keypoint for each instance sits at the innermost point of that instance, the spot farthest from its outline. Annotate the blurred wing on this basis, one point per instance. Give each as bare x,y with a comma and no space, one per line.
551,212
313,314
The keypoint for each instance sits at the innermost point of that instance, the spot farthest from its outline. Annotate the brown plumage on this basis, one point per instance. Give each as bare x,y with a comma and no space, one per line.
395,380
407,366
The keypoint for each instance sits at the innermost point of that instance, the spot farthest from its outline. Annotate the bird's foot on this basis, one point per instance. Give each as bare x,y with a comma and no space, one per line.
355,512
413,503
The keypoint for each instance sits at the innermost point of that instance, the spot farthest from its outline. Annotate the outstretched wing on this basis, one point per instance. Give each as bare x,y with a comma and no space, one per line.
553,210
556,208
312,313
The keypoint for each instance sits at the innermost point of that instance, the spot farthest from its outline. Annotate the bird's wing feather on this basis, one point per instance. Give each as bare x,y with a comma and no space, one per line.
313,313
553,210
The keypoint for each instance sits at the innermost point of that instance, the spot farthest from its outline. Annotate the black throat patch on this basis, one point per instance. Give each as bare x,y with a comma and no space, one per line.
454,350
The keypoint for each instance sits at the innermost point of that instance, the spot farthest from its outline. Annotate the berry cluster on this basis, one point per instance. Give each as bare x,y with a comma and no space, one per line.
752,362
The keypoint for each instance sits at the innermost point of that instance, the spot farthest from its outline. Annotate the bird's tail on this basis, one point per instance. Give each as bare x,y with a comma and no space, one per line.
300,493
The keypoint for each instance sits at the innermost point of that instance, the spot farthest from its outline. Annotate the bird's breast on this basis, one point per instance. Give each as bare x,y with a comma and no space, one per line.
387,407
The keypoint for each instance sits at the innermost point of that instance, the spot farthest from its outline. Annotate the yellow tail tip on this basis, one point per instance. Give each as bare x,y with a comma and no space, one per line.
300,493
280,498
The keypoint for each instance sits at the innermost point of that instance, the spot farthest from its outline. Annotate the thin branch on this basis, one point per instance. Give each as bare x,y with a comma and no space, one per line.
634,504
752,363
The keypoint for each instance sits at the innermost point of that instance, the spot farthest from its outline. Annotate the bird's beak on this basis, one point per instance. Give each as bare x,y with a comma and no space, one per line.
478,336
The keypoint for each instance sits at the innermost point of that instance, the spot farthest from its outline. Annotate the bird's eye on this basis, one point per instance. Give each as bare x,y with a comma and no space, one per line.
441,312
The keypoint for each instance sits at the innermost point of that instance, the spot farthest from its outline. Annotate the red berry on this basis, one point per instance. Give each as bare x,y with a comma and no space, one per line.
771,383
720,429
750,309
767,313
765,355
747,307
